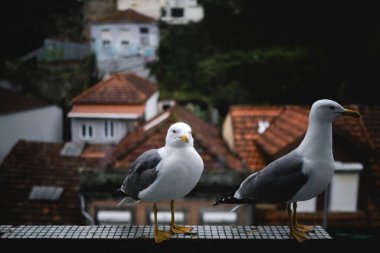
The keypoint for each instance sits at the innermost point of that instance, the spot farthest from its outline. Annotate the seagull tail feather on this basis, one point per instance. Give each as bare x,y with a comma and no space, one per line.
230,199
236,208
128,201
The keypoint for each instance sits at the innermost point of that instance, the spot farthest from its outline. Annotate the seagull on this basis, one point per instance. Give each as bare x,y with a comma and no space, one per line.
167,173
301,174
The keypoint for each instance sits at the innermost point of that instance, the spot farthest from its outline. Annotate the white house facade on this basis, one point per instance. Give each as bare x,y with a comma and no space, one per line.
113,108
181,11
124,42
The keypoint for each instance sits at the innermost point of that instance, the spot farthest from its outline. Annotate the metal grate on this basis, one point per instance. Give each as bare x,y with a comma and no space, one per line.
146,232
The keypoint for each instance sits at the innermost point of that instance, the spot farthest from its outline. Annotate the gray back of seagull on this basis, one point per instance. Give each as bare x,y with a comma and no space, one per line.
276,183
141,173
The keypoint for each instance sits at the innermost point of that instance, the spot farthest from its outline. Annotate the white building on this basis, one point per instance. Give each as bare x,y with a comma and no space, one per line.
169,11
29,119
181,11
124,41
108,111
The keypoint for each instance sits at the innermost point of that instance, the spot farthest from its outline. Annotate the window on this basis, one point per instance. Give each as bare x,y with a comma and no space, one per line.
144,36
177,12
144,30
106,37
124,43
109,129
50,193
114,217
344,189
219,218
87,131
106,43
164,217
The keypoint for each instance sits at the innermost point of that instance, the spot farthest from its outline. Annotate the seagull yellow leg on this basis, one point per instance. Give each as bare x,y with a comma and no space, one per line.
176,229
299,227
159,235
298,235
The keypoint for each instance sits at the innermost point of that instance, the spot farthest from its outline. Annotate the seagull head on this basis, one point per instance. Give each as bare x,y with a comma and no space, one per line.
326,110
179,135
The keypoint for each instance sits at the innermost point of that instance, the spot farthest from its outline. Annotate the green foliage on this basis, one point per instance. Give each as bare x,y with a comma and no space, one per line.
249,52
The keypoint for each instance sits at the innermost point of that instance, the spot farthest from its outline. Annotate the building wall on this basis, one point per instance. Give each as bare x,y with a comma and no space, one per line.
191,11
151,108
42,124
228,134
120,129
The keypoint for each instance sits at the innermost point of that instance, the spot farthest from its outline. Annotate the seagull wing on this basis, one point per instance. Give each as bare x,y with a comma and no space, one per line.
141,173
278,182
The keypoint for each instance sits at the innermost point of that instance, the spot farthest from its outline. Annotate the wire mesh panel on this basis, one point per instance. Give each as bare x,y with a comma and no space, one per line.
146,232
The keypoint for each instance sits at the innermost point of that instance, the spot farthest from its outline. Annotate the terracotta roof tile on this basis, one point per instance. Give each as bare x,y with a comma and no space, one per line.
118,89
245,121
128,16
40,164
208,141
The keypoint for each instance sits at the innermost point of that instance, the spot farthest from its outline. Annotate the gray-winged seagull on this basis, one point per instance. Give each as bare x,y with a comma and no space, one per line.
299,175
167,173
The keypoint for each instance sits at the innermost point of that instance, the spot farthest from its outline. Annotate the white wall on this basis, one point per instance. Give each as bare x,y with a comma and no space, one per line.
227,132
151,107
41,124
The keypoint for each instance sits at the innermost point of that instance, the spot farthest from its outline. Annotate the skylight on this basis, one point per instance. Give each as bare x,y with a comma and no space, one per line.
50,193
72,149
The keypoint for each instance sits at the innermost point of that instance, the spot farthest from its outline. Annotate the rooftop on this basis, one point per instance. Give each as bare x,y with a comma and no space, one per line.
118,89
127,16
33,166
15,102
207,140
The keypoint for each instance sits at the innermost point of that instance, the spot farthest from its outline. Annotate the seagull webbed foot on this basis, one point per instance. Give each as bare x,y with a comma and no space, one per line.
176,229
304,228
160,236
299,236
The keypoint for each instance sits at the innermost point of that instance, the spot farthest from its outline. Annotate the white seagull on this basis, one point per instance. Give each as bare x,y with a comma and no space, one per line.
301,174
167,173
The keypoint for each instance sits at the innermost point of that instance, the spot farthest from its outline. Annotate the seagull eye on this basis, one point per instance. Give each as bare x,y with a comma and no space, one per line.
331,107
174,131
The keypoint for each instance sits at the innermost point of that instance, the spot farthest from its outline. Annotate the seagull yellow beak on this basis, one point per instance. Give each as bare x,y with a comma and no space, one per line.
184,138
351,113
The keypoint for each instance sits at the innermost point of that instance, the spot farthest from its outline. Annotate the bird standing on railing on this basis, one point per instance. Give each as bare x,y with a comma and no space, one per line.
299,175
167,173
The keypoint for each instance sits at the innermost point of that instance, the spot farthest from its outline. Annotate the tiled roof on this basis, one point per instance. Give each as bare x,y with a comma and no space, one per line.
245,124
128,16
14,102
207,140
40,164
285,132
118,89
371,119
289,128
